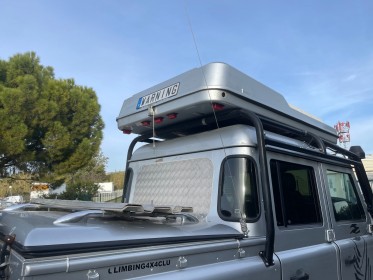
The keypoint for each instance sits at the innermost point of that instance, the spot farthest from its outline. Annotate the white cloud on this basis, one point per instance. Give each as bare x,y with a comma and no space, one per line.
350,78
337,91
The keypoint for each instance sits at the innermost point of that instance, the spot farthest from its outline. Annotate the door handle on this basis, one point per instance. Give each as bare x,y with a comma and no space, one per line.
300,275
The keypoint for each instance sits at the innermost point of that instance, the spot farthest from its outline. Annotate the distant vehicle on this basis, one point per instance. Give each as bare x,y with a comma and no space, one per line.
5,204
232,183
14,199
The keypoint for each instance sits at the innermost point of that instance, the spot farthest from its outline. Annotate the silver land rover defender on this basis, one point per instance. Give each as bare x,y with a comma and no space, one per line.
227,181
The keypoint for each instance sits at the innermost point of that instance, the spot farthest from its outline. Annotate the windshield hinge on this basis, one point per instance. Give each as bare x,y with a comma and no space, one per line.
370,228
243,224
330,235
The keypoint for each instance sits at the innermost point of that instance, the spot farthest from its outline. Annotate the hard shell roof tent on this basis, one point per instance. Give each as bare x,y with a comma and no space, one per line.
216,93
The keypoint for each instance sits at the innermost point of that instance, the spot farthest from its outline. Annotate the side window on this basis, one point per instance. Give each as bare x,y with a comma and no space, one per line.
238,190
346,203
295,194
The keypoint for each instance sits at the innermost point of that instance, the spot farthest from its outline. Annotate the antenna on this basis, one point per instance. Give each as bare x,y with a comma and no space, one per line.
242,214
200,64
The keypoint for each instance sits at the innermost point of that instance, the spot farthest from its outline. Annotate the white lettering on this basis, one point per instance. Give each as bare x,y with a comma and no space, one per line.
159,95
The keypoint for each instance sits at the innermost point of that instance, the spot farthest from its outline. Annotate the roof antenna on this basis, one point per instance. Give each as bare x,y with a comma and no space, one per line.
200,63
194,37
242,220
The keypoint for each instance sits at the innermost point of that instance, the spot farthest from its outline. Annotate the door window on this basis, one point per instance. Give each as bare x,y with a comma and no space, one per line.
295,194
345,201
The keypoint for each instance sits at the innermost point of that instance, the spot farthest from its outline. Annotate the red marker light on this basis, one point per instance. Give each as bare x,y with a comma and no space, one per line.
172,116
145,123
127,131
217,106
158,120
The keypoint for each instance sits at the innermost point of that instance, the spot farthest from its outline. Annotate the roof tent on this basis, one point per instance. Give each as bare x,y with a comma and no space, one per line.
212,91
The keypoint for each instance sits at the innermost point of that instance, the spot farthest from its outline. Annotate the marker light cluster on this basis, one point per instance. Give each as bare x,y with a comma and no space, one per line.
171,116
157,120
217,106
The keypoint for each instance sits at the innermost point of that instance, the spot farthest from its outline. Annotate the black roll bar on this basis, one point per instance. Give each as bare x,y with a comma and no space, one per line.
257,122
126,189
267,254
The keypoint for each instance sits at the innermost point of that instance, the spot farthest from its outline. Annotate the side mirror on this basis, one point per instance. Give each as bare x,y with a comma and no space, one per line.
357,150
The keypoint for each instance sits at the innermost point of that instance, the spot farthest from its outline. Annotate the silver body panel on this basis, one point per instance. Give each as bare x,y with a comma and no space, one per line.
199,260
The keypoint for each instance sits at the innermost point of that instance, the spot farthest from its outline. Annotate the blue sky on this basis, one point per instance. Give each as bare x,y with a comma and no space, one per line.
318,54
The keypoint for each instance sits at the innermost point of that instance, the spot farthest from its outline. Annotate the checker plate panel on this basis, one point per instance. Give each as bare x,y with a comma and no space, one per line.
177,183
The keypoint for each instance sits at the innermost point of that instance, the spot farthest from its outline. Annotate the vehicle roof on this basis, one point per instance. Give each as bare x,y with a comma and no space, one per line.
239,135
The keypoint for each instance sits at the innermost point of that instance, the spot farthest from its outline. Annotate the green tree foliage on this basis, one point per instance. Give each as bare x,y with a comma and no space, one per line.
82,185
48,127
21,185
117,178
